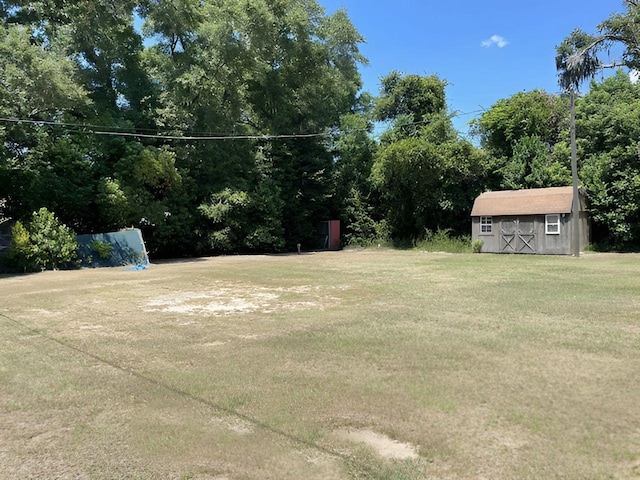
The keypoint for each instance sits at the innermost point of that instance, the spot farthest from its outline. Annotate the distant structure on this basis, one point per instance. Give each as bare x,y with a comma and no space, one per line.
125,247
329,235
535,221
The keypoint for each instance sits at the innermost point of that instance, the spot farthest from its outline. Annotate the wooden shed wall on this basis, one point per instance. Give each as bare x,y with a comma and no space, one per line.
526,234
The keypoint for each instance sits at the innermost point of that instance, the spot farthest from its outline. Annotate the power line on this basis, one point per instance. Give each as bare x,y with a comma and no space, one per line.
102,130
464,114
220,137
114,131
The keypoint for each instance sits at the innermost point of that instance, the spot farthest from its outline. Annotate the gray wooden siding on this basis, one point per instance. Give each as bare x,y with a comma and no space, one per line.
526,235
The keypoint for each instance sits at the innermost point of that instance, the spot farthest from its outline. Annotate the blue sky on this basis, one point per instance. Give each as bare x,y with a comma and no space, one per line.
485,49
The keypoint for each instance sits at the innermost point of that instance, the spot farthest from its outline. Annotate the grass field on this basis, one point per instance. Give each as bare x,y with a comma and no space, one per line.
373,364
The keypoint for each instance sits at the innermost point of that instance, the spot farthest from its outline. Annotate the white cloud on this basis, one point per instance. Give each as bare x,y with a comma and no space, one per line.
634,76
495,40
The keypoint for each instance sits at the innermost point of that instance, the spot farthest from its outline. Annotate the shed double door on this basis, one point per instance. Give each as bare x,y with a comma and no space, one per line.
517,235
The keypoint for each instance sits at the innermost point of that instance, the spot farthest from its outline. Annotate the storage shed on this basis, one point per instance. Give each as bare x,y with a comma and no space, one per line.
528,221
329,235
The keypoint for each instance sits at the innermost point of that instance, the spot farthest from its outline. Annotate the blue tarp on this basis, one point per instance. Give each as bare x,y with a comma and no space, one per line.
126,248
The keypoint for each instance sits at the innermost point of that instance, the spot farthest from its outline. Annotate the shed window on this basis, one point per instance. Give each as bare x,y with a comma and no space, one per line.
552,224
486,223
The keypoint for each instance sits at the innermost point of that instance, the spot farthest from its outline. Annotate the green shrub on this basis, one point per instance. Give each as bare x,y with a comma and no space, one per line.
443,241
18,254
378,234
476,246
43,243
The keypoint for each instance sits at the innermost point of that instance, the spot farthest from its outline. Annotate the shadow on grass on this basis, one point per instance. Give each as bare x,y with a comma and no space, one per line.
9,274
164,261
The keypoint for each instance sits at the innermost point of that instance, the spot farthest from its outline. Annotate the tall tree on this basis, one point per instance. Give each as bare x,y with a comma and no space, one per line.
229,68
408,102
259,68
607,121
353,197
524,134
426,176
579,56
80,176
39,84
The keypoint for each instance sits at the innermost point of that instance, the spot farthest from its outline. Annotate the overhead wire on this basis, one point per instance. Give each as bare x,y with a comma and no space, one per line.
135,132
104,130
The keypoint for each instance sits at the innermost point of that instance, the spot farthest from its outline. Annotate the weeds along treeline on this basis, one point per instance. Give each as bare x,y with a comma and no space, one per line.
237,126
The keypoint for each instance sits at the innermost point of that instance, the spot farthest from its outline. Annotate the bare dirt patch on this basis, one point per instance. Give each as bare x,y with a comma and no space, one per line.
383,445
238,299
217,303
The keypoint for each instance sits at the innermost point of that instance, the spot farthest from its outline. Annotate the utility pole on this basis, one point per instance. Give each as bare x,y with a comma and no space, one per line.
575,222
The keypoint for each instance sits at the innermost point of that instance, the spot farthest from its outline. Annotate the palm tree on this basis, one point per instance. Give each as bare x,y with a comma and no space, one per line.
576,61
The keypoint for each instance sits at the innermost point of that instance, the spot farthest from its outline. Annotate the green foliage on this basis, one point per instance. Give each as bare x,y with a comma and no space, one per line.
442,241
352,189
534,166
265,231
610,171
406,175
225,211
150,168
284,67
19,251
476,246
412,104
524,135
36,81
411,95
576,59
423,175
608,120
44,243
527,135
581,55
249,67
360,227
427,185
112,204
534,114
421,169
243,222
259,67
591,247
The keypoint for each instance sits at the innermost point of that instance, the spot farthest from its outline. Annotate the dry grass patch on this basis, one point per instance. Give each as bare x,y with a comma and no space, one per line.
319,366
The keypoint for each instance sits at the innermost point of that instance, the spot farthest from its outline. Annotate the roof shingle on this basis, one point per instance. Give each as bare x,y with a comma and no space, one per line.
538,201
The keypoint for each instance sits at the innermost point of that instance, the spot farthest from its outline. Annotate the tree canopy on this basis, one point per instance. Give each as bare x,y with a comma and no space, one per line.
608,126
239,125
426,176
139,72
524,135
579,55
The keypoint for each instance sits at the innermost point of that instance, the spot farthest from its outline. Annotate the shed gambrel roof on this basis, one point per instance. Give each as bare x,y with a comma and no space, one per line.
537,201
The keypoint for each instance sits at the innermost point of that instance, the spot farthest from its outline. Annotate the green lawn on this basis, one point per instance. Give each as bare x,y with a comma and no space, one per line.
373,364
